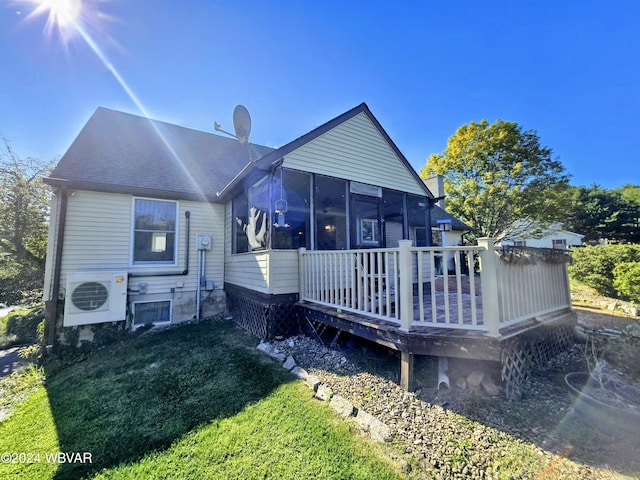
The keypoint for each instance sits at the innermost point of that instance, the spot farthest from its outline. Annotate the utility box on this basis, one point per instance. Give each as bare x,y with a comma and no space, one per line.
203,241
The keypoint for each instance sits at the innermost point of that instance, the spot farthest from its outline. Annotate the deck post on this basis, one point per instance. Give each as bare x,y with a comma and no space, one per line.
301,272
406,370
489,285
406,285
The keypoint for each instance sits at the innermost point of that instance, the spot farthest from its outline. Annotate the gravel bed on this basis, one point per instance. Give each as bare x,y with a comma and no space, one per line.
464,433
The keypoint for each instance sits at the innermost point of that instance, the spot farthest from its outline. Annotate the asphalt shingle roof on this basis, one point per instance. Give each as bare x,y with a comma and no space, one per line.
120,152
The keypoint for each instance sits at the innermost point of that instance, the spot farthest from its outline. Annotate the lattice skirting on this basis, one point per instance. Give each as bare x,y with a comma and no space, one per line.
521,355
263,320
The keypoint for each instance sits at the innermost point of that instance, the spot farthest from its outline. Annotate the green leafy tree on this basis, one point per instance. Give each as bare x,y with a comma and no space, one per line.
24,212
596,265
499,180
626,280
598,213
630,193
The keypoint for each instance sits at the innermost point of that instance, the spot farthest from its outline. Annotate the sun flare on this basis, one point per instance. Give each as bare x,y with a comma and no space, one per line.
62,15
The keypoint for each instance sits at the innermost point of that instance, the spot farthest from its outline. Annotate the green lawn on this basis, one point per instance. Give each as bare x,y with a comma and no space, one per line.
196,401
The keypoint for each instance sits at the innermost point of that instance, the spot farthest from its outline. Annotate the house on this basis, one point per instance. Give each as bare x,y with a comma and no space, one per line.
553,236
152,223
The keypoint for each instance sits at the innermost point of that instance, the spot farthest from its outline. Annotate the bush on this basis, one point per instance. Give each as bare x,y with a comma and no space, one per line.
594,265
626,280
20,285
25,325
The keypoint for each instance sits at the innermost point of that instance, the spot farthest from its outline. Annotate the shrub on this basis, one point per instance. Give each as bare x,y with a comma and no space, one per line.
594,265
626,280
24,324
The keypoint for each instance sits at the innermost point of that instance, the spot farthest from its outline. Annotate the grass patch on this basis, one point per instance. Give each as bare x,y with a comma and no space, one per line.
197,401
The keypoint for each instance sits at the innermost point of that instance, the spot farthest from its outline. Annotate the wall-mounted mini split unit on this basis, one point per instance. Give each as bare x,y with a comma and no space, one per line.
95,297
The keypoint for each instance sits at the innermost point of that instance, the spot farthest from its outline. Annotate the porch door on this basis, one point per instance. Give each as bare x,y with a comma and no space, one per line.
366,222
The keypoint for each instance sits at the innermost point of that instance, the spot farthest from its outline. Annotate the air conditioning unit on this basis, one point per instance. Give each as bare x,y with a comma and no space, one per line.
95,297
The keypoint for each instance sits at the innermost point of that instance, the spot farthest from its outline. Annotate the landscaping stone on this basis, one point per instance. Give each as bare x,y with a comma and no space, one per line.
490,387
270,350
289,363
474,379
342,406
313,382
379,431
324,392
265,347
364,419
300,373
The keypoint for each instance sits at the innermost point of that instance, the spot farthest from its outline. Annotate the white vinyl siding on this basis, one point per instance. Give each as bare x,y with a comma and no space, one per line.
355,150
98,237
271,271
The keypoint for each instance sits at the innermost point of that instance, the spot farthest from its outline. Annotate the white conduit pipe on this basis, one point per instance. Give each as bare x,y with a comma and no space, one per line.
443,366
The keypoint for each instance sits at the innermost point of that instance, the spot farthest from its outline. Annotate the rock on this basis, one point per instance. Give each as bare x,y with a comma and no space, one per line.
265,347
289,363
364,419
461,383
323,392
300,373
313,382
633,330
278,356
379,431
489,386
342,406
474,379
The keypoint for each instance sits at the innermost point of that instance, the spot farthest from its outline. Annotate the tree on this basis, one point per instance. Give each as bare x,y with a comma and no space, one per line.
24,212
598,213
499,180
629,192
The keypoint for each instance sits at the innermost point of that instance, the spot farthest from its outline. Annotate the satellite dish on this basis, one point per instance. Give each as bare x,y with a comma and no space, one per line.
241,123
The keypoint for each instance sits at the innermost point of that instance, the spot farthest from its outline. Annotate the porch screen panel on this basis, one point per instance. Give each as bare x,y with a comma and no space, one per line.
293,229
419,229
331,213
240,213
393,214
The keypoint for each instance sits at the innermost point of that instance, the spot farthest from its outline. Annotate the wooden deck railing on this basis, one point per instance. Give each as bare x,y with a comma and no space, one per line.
463,287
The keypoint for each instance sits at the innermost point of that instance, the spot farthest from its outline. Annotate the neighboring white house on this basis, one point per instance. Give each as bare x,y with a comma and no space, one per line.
552,237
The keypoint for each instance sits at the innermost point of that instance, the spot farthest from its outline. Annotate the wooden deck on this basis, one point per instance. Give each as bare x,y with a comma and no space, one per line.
429,340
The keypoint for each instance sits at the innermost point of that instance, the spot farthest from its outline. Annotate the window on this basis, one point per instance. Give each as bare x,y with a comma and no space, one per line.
154,232
365,211
559,243
153,313
519,243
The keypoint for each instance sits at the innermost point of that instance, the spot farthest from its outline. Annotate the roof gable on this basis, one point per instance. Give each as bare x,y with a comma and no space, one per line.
358,150
354,141
119,152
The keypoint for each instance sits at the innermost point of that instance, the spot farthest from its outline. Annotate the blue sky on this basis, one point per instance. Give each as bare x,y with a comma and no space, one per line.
569,70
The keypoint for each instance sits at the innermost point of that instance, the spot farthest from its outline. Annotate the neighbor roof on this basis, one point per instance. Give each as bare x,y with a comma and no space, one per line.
124,153
438,213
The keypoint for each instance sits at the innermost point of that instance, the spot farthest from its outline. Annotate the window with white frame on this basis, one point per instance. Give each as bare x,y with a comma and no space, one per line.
151,313
154,232
519,243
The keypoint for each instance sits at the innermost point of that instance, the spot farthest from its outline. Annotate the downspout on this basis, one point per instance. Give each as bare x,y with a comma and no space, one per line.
187,221
55,290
